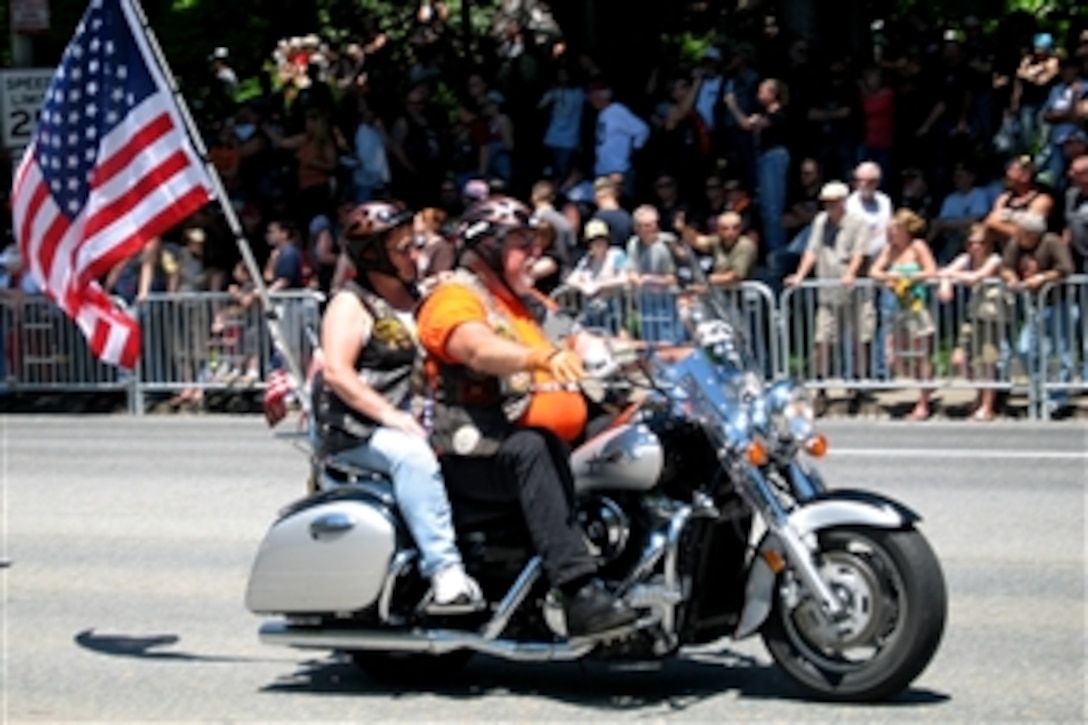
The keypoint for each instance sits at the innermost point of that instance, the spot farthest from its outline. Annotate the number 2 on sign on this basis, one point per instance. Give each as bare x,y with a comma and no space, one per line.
23,122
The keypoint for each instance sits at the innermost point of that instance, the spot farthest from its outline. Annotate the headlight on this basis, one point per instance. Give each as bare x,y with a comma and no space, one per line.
790,413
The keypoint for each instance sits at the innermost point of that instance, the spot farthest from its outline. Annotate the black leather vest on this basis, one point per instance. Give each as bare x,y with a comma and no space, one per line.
474,412
388,363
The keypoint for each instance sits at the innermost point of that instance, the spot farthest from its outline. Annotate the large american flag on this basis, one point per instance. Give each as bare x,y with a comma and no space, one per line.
110,167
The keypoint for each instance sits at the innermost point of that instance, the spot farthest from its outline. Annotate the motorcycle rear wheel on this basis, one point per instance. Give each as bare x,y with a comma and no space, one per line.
410,667
893,589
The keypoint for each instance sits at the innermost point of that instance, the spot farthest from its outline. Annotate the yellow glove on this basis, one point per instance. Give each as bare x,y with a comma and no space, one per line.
563,365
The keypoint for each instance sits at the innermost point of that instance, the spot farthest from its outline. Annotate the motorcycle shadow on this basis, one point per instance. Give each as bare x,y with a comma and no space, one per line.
146,647
676,683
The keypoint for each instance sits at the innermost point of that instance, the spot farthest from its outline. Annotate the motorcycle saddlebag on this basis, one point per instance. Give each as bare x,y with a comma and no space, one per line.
328,556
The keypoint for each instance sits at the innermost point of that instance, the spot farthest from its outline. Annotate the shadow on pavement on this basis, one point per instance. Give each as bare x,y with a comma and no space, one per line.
120,645
676,683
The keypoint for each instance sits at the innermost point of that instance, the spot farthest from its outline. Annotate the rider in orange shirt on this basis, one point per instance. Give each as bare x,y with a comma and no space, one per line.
504,409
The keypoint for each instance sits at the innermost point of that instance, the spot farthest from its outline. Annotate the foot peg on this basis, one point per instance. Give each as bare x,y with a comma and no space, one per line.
463,604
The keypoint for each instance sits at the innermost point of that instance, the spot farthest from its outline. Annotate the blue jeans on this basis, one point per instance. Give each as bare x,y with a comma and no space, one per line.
1056,324
772,171
421,494
886,306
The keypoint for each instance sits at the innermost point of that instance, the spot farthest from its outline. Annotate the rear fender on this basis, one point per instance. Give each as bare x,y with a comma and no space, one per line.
830,509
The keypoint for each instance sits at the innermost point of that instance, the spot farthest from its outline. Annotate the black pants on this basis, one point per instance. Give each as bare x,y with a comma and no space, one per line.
531,468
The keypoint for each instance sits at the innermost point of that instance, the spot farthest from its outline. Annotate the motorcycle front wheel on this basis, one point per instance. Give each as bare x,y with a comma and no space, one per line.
892,588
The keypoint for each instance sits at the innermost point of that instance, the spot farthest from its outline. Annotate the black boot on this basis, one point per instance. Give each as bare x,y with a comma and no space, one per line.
591,610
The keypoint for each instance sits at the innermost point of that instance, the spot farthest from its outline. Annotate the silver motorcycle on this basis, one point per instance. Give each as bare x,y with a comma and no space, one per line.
706,515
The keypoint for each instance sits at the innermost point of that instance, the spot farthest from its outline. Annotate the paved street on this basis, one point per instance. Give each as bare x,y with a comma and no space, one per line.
131,540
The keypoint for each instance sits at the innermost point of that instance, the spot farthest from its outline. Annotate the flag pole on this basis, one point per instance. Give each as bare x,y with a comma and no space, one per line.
271,314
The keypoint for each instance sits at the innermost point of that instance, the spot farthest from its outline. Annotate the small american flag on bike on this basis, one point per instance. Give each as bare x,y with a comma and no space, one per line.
110,167
278,385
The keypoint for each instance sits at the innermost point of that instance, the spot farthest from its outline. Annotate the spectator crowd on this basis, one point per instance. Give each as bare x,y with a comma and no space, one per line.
938,158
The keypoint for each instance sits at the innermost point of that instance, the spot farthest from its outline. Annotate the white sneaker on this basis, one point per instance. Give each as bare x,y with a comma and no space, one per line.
455,591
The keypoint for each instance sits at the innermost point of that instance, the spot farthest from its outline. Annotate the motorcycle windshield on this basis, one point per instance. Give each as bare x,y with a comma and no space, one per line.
698,313
703,390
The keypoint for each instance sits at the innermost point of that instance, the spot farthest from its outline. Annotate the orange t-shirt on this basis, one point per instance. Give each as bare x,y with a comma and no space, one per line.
562,412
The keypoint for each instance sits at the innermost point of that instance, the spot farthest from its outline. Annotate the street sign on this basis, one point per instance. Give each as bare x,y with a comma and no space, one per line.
22,91
29,16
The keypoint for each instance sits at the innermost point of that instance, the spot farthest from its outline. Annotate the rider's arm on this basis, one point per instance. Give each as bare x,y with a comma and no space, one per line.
454,327
344,330
475,345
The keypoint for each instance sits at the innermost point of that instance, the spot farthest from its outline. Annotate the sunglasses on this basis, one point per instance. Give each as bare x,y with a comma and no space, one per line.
523,239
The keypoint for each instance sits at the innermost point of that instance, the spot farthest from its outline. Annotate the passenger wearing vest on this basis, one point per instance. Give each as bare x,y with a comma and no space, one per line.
363,397
503,408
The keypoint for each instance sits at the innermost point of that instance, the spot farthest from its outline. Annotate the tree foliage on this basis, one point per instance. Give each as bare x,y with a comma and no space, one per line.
626,36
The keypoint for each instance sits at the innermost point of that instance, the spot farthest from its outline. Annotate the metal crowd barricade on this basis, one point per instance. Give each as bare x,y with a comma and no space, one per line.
1061,343
44,351
218,342
861,338
603,312
657,315
872,337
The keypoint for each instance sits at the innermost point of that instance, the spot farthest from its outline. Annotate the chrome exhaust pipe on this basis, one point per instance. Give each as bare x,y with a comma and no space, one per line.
431,641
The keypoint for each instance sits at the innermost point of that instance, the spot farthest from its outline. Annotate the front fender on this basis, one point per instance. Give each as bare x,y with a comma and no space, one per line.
845,507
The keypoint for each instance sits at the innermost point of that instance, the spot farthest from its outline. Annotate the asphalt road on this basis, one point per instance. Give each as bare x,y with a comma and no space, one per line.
131,539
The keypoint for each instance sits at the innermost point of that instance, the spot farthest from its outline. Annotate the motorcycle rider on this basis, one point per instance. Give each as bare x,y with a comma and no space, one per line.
503,409
363,395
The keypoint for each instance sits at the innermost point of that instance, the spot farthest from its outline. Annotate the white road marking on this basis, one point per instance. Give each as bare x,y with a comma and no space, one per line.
955,453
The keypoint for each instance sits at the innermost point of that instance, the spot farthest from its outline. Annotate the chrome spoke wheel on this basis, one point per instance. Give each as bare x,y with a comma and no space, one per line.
870,589
894,605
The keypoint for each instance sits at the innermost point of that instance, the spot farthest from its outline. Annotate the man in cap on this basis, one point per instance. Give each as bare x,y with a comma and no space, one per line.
1032,261
838,246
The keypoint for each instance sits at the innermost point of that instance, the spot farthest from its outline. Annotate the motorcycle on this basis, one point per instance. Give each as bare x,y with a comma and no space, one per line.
705,512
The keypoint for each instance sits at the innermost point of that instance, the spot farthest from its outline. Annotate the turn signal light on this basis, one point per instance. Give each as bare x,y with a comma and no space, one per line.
816,446
757,454
774,560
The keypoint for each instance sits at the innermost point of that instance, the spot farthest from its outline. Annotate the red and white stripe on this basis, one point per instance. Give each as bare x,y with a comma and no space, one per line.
146,181
277,387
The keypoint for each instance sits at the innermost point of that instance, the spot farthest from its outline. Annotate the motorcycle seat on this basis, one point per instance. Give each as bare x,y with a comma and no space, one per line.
345,473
